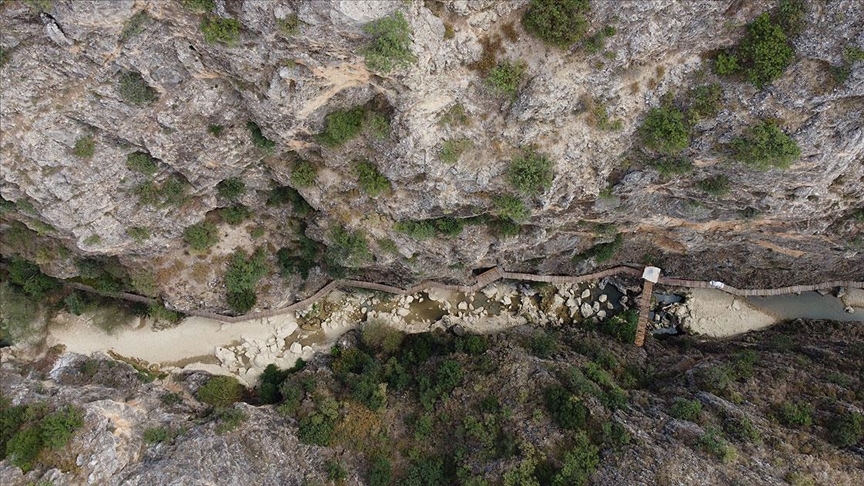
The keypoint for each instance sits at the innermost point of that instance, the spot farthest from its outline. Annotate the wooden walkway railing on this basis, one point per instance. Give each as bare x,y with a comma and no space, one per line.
483,280
644,307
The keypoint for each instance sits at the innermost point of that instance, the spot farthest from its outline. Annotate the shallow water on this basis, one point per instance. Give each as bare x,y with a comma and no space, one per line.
808,305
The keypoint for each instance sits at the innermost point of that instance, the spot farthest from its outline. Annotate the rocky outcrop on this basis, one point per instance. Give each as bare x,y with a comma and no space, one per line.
60,82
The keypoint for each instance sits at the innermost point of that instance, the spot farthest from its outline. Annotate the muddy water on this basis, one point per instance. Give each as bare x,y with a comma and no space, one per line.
808,305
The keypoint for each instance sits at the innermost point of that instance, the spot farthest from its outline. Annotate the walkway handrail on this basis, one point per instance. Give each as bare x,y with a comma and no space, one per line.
484,279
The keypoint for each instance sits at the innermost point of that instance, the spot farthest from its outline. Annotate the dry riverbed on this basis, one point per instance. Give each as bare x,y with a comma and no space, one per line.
244,349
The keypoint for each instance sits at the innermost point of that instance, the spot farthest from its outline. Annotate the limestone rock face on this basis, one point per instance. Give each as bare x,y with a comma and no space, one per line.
61,82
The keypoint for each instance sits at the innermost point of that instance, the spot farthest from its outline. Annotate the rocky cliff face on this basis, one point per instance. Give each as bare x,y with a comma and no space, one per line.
63,68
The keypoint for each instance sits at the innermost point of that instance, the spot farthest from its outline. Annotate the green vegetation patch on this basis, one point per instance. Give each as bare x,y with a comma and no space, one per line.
221,391
138,233
506,78
671,165
201,236
199,6
531,172
452,149
455,116
762,55
303,174
171,192
134,89
84,147
686,409
390,44
28,430
258,138
299,258
511,207
664,130
142,162
704,102
241,278
601,252
764,146
220,30
341,126
718,185
557,22
370,179
135,25
231,188
348,248
428,228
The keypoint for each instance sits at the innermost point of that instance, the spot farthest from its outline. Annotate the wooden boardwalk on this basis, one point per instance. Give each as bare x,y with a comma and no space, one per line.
484,279
644,308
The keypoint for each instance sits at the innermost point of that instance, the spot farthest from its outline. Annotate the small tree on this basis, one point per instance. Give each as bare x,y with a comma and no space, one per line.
201,236
221,391
664,130
390,45
557,22
765,146
530,173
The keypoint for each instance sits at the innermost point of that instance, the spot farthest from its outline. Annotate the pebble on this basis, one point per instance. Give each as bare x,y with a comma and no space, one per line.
462,306
403,312
586,310
363,310
296,348
602,298
609,305
601,314
409,299
586,293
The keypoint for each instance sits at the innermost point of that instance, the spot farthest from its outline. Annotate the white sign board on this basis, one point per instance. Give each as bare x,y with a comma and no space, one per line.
651,274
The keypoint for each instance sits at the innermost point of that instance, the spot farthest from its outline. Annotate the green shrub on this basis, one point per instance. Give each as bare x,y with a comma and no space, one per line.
156,435
303,174
664,130
764,146
159,312
713,442
791,16
566,412
371,181
199,6
511,207
244,272
505,78
557,22
235,214
24,447
615,435
258,138
542,344
139,233
846,429
335,471
425,472
390,44
726,64
142,162
452,149
290,25
716,185
215,130
530,173
686,409
229,420
672,165
85,147
135,25
74,304
219,29
221,391
28,430
601,252
455,116
348,248
172,192
764,53
796,414
381,337
285,194
742,429
201,236
472,344
299,260
428,228
579,462
316,427
30,278
133,89
58,427
231,188
704,101
377,125
380,472
341,126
